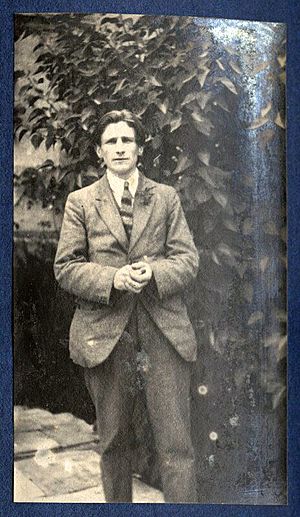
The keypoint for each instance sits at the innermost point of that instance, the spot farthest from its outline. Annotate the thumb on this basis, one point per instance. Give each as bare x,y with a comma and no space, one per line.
145,258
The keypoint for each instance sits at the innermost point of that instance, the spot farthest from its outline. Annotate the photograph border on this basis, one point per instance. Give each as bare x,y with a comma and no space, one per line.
284,11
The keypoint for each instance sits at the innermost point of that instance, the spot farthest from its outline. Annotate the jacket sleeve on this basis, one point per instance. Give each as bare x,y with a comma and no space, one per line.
179,267
73,271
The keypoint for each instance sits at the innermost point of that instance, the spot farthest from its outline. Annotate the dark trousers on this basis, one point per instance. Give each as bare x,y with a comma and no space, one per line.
143,359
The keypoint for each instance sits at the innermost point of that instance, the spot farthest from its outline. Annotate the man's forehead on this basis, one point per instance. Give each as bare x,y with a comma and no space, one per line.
118,129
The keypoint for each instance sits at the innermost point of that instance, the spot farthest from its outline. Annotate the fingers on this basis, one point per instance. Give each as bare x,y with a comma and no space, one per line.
133,286
137,276
141,276
134,277
131,283
138,265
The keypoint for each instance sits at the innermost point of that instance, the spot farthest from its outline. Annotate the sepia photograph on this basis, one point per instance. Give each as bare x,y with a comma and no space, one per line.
150,264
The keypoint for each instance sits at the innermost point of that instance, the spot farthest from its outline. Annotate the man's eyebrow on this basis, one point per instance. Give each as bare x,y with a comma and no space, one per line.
114,139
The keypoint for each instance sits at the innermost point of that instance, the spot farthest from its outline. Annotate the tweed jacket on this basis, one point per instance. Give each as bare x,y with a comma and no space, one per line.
93,245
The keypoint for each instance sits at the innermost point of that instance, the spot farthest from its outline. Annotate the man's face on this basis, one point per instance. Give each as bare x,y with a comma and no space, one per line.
119,149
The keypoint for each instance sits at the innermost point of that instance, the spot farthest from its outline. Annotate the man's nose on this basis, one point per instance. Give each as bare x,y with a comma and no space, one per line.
119,146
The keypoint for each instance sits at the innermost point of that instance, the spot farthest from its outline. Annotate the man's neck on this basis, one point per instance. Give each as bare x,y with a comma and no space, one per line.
123,177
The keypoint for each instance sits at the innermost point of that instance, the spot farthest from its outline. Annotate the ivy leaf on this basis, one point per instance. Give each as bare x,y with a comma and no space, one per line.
203,98
277,396
46,178
204,157
215,258
154,81
36,140
271,228
220,198
225,249
202,76
209,223
255,317
260,67
202,195
282,77
25,88
183,163
222,103
228,84
260,121
272,340
156,141
163,106
119,86
50,140
18,193
281,350
47,165
266,110
35,113
283,234
203,125
188,77
282,60
279,122
220,64
247,291
235,67
281,315
266,136
79,180
176,122
203,173
247,226
189,98
22,133
230,225
263,264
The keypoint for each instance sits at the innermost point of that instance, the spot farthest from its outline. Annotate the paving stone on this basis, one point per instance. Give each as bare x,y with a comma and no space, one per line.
33,419
24,421
90,495
24,489
64,418
32,441
141,494
76,432
67,476
36,412
64,472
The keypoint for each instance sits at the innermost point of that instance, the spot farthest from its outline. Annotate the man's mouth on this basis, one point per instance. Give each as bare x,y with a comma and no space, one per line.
120,159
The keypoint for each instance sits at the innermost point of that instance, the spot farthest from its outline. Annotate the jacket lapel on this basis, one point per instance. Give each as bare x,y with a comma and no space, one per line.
109,212
142,209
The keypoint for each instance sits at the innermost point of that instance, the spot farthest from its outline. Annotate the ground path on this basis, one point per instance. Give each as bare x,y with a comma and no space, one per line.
56,460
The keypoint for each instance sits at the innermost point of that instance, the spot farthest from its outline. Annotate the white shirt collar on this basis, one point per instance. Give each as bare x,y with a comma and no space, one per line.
117,184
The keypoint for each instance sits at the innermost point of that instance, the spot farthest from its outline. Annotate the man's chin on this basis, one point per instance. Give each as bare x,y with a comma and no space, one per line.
122,171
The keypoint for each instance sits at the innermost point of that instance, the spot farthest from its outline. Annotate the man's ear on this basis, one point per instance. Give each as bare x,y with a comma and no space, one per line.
98,151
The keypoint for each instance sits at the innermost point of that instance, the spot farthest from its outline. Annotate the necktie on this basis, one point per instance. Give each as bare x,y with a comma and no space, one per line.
126,209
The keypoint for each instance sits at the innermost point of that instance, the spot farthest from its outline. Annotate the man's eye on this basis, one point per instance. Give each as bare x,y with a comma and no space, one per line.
127,140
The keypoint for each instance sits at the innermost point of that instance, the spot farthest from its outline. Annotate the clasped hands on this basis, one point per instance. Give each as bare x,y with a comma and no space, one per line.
133,277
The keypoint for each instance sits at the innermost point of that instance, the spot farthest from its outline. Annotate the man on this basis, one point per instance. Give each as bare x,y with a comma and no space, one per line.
126,253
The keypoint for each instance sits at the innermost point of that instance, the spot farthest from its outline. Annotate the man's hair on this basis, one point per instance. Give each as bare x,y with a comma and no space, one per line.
112,117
